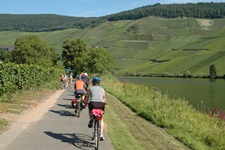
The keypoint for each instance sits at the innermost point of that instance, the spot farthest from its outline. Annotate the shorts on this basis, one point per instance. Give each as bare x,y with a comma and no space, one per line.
77,92
96,105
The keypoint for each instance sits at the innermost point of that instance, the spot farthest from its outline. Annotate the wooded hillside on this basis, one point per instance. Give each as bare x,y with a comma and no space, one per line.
52,22
191,10
44,22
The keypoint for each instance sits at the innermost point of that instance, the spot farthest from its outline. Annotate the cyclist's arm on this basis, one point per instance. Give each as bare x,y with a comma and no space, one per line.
104,97
75,85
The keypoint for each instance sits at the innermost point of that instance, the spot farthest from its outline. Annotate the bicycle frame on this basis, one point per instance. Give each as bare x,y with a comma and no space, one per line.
79,105
97,115
96,133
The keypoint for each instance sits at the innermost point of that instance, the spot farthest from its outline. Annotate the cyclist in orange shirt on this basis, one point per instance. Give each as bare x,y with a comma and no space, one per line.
79,87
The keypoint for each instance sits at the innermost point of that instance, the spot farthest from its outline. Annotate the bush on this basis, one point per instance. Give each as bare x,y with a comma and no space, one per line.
17,77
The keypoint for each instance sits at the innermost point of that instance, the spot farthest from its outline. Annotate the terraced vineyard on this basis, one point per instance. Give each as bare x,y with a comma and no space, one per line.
151,44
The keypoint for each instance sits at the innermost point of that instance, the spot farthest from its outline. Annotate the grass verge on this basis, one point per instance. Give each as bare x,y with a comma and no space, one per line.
196,130
3,124
119,134
129,131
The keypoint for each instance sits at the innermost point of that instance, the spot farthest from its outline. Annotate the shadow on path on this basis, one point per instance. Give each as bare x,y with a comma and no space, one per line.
65,105
67,99
62,112
79,140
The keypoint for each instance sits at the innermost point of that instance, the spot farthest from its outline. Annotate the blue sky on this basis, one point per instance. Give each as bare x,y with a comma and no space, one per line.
80,8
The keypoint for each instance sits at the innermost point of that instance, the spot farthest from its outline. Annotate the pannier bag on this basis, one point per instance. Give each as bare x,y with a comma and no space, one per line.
74,103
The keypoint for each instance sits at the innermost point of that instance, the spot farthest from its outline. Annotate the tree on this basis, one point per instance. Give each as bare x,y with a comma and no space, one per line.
212,70
56,60
100,61
31,49
133,29
5,55
74,54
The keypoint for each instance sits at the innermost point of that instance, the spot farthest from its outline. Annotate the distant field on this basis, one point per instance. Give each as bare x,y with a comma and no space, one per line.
156,46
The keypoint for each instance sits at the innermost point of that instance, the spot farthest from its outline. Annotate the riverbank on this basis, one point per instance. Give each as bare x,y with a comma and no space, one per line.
185,75
127,130
195,129
202,93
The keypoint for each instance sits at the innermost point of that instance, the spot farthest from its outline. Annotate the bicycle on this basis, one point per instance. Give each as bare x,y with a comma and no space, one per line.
79,105
97,115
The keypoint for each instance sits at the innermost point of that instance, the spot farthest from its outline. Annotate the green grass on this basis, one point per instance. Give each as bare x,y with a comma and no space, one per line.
120,135
3,124
199,131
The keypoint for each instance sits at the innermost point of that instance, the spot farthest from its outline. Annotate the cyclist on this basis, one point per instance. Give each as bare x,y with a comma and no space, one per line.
79,87
70,80
61,78
85,79
96,100
65,81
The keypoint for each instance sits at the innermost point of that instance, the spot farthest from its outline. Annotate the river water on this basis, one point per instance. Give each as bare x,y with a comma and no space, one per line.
203,94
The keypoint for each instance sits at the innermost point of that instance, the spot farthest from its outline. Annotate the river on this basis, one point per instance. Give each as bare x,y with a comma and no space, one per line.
203,94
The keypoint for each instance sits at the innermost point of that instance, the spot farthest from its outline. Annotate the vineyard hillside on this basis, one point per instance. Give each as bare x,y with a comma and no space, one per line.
149,45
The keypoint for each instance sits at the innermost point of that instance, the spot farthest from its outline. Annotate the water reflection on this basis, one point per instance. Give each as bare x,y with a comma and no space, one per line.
203,94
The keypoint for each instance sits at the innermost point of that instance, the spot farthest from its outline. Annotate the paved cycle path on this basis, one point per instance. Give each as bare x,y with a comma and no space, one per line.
57,128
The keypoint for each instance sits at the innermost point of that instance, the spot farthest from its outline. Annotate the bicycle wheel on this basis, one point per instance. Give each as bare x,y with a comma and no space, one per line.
97,134
93,130
79,108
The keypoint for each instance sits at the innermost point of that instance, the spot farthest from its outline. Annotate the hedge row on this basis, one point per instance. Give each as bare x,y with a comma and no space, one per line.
17,77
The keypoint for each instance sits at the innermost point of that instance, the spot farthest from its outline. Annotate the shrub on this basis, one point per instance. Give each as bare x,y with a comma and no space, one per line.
17,77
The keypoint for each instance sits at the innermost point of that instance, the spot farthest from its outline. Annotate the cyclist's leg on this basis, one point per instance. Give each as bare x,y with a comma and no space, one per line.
90,123
71,84
101,127
84,93
61,84
102,122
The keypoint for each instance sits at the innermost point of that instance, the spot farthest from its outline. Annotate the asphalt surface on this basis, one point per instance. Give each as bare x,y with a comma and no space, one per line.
56,128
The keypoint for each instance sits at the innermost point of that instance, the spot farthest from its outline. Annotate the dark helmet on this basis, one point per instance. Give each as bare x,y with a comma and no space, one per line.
96,80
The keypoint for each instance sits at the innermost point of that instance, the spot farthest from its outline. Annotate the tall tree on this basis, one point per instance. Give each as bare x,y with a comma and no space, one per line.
212,70
56,59
74,54
31,49
100,61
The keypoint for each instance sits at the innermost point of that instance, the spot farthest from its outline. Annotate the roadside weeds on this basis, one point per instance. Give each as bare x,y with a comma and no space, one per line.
144,134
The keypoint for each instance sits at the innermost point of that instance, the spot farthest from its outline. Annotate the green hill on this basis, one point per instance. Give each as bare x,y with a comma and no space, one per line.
149,45
173,46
